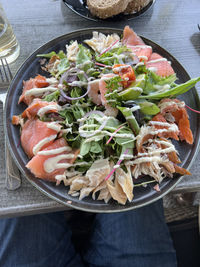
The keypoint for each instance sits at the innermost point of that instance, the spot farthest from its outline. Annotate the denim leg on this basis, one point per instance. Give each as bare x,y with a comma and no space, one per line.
137,238
37,241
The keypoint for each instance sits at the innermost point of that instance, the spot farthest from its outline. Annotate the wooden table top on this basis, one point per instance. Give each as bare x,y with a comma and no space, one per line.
171,24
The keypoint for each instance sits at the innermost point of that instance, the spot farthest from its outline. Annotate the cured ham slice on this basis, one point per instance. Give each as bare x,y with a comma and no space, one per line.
37,134
52,161
37,82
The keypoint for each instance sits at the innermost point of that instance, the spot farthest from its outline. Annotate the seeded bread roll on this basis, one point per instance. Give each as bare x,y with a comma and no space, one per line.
107,8
136,5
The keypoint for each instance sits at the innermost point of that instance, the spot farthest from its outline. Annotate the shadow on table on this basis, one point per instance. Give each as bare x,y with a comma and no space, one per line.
195,40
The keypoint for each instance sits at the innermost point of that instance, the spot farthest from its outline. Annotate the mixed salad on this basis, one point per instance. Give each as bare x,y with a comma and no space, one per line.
104,116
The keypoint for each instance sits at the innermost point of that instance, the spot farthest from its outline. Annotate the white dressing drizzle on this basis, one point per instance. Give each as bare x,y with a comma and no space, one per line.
154,69
160,123
52,80
53,164
54,126
139,64
135,108
54,151
157,60
120,68
42,142
78,83
40,91
162,87
44,110
136,88
142,46
103,133
145,159
61,177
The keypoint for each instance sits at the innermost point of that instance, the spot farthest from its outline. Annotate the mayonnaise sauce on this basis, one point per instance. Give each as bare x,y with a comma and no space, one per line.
52,80
44,110
161,87
135,108
154,69
157,60
41,143
78,83
54,126
52,164
54,151
40,91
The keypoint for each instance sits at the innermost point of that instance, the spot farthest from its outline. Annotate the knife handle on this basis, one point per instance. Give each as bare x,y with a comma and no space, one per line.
13,175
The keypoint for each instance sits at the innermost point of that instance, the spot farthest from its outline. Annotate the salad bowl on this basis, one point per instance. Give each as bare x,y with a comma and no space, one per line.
143,195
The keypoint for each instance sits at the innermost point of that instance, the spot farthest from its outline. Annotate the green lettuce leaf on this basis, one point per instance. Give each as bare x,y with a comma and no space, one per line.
174,91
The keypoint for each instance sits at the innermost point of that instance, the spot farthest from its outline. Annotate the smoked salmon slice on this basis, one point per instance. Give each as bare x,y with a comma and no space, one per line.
161,66
36,132
136,44
102,87
131,38
39,164
168,134
184,126
33,109
38,82
176,108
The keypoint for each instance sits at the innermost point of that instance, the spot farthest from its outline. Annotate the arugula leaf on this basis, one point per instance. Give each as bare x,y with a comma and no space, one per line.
52,97
85,148
95,147
115,55
130,118
113,83
84,62
154,82
49,55
148,108
62,66
114,86
60,54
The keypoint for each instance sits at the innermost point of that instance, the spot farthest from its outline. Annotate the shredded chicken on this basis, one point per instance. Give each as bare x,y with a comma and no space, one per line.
72,51
99,42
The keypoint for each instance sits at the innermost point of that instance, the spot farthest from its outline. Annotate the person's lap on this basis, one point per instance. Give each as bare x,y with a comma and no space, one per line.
134,238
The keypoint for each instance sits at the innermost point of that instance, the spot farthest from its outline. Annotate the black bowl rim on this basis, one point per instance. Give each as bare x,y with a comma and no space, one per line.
118,17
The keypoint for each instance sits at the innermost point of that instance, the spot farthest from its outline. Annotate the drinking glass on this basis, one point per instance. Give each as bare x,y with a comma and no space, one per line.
9,46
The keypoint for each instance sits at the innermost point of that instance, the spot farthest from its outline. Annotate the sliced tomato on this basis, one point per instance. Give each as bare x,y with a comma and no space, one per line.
126,72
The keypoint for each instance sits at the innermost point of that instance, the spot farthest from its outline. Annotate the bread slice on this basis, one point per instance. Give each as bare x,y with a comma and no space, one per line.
136,5
107,8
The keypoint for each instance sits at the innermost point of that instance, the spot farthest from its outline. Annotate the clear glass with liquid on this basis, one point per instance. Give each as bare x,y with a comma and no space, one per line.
9,46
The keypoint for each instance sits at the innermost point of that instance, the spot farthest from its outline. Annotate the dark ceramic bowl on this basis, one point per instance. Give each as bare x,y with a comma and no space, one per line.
80,8
142,195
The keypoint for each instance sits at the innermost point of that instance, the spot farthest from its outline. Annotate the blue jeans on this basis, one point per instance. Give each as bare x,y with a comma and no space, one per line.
137,238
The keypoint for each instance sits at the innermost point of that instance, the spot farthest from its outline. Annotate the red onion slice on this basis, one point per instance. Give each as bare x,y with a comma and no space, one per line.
74,98
101,126
107,49
70,73
194,110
